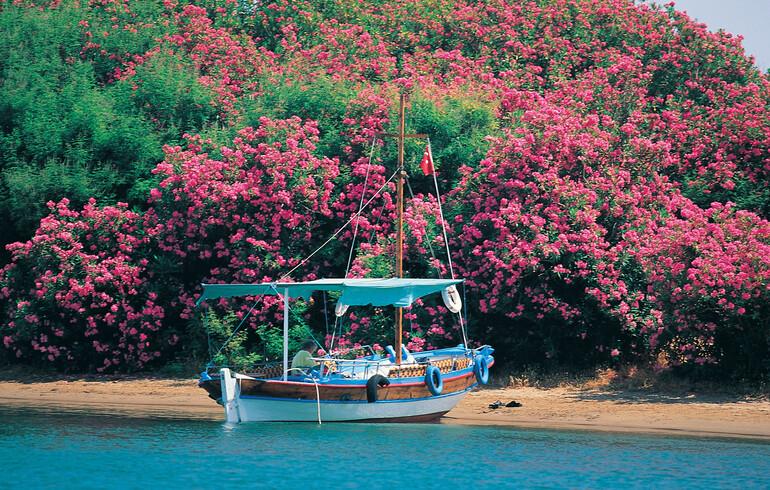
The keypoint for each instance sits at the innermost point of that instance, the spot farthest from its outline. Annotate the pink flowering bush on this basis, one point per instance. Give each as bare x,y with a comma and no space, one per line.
707,276
563,215
247,214
79,295
604,166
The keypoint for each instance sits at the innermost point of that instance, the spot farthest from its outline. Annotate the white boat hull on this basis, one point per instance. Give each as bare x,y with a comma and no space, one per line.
263,409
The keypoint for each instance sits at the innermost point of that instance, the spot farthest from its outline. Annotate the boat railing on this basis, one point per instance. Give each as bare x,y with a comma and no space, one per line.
447,360
271,369
365,368
352,368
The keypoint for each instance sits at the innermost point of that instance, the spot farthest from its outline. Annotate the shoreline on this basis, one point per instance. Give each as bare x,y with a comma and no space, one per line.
561,408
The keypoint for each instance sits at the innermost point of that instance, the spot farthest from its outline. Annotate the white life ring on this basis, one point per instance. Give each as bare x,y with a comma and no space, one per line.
340,309
452,299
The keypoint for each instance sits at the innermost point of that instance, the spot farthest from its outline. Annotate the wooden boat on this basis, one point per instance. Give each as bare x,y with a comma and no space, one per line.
418,387
398,386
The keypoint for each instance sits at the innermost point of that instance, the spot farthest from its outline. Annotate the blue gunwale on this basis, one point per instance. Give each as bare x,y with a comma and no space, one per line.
347,383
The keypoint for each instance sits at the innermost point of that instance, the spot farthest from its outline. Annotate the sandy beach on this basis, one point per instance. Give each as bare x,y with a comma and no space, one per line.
563,407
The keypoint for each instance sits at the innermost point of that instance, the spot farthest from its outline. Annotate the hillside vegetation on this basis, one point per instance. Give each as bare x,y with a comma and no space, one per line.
604,167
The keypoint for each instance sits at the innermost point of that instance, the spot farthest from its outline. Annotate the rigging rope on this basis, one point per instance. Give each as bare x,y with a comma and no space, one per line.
446,242
326,316
246,316
360,206
341,228
353,242
317,393
288,306
441,215
465,307
334,333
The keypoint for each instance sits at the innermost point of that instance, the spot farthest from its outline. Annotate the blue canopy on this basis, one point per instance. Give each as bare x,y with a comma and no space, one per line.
355,292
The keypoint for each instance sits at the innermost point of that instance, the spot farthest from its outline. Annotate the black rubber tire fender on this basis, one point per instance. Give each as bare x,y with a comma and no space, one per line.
375,382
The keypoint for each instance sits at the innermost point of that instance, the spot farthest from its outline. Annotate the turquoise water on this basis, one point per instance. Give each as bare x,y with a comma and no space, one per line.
76,450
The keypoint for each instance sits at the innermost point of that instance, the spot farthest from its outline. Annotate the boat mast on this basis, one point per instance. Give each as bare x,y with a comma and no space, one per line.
400,175
400,221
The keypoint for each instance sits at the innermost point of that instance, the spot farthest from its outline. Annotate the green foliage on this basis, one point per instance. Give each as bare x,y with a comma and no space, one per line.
459,128
232,346
252,343
167,92
67,129
321,100
746,193
271,339
381,265
120,33
28,189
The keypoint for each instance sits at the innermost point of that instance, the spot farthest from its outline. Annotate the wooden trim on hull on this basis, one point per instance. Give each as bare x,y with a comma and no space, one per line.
339,393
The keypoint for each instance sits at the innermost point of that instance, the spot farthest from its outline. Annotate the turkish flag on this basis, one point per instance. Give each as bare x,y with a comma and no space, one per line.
427,162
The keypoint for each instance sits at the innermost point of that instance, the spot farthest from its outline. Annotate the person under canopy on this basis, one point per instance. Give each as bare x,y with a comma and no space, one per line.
304,358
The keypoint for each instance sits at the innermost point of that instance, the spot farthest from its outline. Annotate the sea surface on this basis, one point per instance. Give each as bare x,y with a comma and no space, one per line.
54,449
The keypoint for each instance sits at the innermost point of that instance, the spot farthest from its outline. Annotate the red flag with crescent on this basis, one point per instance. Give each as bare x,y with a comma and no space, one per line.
427,162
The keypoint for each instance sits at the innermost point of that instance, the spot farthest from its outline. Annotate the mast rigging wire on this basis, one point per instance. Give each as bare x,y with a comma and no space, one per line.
441,214
446,242
353,242
340,229
360,207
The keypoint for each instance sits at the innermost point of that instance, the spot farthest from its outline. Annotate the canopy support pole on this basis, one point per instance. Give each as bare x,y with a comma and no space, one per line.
285,332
